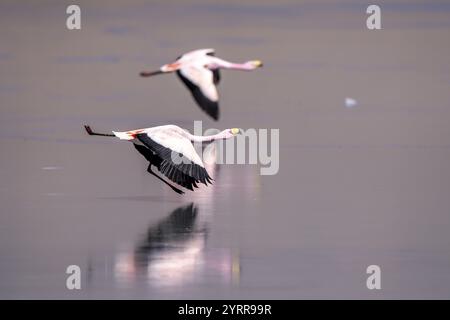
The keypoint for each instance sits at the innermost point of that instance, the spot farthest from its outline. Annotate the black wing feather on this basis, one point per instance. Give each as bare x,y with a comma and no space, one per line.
216,76
216,72
207,105
181,178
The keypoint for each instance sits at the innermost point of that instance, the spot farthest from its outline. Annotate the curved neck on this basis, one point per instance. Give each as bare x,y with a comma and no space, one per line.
220,63
211,138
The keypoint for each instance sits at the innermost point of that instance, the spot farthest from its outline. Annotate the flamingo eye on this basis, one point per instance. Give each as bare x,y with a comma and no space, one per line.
235,131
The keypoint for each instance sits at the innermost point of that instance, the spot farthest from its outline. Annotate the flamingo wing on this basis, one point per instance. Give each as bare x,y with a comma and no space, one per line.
187,170
199,52
201,82
216,76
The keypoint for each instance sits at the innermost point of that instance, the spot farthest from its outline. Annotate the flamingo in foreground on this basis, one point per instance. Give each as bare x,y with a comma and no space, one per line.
199,71
163,144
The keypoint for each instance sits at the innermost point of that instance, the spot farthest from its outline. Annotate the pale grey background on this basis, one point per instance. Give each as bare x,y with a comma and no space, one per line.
357,186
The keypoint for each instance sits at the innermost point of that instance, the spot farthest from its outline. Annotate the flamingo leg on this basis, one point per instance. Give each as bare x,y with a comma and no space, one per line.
92,133
149,169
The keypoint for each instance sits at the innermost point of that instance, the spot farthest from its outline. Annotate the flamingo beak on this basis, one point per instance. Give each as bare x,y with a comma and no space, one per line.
257,63
235,131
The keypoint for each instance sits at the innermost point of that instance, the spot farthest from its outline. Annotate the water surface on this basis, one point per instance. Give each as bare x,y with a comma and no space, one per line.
357,186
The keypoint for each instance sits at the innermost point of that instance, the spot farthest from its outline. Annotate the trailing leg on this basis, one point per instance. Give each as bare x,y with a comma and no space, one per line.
149,169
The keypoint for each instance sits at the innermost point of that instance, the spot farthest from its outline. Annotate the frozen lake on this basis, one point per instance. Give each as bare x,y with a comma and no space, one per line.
362,184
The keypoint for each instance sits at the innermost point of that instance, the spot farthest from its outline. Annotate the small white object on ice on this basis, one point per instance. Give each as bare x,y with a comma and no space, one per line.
54,194
350,103
52,168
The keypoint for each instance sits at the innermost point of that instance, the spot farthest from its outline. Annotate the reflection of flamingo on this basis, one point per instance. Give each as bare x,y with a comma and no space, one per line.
199,71
169,148
173,252
170,252
173,247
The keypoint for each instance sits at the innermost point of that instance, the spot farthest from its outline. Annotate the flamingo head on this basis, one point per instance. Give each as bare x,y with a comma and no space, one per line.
254,64
229,133
235,131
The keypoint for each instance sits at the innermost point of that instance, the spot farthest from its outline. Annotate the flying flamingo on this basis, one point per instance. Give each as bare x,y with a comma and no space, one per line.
199,71
169,148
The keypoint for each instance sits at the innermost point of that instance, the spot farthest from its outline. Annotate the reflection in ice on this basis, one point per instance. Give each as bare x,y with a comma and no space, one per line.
225,177
173,253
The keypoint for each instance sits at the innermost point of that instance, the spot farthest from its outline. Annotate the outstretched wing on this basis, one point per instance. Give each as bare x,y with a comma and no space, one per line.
199,52
182,179
178,159
201,82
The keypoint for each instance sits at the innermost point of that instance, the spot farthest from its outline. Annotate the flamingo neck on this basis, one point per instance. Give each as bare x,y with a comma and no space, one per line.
220,63
242,66
218,136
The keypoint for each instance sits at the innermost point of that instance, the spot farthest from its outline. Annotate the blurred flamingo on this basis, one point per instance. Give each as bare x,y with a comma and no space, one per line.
199,71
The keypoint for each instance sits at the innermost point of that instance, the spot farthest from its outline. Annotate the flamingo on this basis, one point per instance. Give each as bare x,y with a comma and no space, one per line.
159,145
199,71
